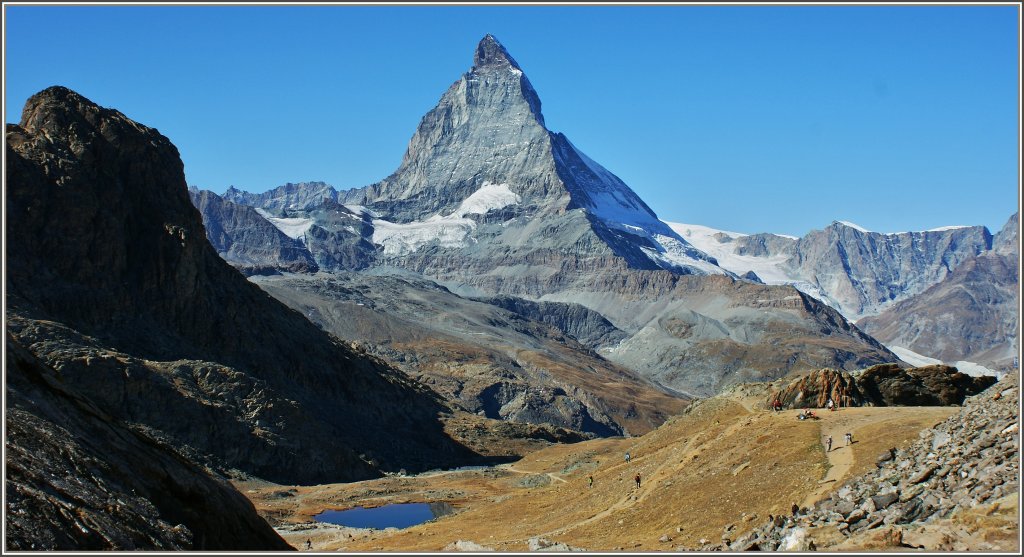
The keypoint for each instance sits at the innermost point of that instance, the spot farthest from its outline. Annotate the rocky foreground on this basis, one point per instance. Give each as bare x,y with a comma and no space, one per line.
970,460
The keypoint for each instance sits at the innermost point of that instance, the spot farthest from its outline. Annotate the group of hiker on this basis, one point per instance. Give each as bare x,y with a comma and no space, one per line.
828,441
636,478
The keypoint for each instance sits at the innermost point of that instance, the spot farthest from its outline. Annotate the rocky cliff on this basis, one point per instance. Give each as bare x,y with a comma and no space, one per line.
112,282
77,478
970,315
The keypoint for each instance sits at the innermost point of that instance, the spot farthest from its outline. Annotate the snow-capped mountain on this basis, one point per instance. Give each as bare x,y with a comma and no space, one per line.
854,270
488,202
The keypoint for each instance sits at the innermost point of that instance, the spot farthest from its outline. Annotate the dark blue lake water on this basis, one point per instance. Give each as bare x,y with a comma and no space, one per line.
396,515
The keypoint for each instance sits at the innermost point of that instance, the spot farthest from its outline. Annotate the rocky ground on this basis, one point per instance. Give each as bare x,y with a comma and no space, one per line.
712,478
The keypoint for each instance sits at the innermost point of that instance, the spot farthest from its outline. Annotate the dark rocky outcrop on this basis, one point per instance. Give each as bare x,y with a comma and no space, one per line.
881,385
111,281
248,241
79,479
938,385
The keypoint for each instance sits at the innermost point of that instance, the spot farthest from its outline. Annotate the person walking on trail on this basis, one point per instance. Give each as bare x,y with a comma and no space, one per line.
828,444
627,457
590,480
830,405
637,480
777,405
849,439
309,544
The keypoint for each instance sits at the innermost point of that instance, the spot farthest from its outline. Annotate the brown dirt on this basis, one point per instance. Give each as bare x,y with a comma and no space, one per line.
725,464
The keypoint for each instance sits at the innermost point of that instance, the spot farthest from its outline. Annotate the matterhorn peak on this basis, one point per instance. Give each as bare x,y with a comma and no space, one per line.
491,54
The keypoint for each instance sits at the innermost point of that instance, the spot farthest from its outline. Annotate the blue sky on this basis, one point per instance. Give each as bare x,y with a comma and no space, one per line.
745,118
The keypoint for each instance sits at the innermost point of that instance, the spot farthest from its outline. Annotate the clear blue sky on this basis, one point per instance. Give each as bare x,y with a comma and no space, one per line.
751,119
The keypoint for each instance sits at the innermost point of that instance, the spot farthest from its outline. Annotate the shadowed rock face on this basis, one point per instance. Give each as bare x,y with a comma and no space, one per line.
79,479
112,282
922,386
881,385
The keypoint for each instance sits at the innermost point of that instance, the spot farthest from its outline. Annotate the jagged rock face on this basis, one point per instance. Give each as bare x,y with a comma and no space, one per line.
78,479
588,327
1007,241
858,272
865,271
339,238
289,197
248,241
888,385
971,315
881,385
973,457
111,281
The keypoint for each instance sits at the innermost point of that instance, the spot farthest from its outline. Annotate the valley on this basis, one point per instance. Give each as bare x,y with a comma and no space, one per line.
718,470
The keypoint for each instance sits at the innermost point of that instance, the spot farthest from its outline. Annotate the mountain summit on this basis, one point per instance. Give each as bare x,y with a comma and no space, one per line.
490,53
484,156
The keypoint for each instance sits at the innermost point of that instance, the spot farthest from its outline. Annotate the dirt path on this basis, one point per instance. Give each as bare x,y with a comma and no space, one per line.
551,475
836,424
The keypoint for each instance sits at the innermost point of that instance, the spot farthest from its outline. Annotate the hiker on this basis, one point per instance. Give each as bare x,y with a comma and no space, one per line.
830,405
828,444
309,544
590,479
637,479
627,457
849,439
777,405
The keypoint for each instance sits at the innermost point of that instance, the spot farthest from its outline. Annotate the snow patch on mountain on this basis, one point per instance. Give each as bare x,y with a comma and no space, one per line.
293,227
853,226
488,198
360,210
678,253
967,368
450,231
718,244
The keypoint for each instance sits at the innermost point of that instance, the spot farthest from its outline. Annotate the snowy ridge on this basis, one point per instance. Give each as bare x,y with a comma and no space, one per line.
449,231
853,226
618,207
294,227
